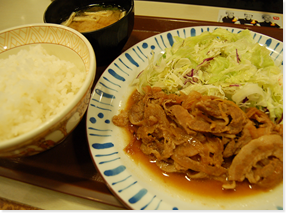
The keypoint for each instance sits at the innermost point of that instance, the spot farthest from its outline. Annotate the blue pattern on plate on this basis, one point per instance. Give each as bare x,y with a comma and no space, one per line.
121,190
106,154
120,181
121,69
115,171
163,42
91,128
104,104
108,87
193,32
274,48
108,161
92,120
115,75
110,81
144,207
170,38
102,145
104,94
131,60
258,41
124,64
138,54
138,196
99,107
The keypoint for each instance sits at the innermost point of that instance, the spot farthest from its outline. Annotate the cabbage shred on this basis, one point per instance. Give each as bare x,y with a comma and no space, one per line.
219,63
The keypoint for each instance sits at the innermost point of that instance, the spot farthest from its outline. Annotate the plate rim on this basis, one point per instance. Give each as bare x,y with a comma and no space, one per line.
127,51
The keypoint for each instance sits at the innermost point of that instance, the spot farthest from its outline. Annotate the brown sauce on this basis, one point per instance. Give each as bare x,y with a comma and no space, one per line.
206,187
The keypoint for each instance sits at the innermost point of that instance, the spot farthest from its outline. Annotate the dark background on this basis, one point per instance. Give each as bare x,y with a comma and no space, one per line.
272,6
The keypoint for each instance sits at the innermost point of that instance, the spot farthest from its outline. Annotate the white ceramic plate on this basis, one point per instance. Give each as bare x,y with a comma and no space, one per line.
128,180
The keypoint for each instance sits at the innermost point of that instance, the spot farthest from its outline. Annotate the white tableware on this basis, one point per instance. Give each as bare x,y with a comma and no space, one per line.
129,182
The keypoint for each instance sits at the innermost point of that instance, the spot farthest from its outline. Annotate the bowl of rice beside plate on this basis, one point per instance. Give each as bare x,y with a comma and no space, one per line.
46,75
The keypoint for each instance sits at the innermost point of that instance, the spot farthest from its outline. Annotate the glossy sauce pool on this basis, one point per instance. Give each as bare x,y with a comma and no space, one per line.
206,188
179,181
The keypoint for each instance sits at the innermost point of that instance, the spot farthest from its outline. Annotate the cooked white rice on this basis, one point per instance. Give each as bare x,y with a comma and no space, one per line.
34,86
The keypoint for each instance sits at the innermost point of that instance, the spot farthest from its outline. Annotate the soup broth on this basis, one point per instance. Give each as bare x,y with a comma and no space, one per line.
94,17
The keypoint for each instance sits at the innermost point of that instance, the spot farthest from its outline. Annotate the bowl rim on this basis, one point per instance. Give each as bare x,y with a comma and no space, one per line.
6,144
98,30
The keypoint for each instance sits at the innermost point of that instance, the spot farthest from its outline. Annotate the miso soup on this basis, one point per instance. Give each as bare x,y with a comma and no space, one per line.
94,17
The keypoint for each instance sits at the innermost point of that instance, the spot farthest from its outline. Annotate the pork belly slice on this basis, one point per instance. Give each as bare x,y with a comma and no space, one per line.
260,161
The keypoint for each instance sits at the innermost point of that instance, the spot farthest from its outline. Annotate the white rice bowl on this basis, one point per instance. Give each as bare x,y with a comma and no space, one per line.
46,74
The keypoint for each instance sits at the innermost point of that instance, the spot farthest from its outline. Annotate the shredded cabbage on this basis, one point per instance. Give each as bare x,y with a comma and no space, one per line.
219,63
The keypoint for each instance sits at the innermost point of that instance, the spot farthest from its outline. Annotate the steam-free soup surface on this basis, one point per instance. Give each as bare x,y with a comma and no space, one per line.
94,18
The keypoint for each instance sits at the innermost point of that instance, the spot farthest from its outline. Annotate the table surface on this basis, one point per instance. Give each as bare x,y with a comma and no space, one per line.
48,177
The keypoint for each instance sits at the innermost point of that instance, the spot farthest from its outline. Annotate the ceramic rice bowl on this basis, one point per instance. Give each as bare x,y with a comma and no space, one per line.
66,44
